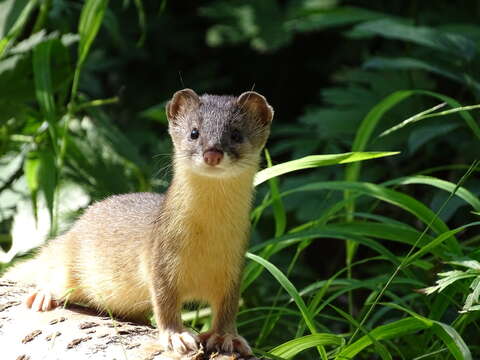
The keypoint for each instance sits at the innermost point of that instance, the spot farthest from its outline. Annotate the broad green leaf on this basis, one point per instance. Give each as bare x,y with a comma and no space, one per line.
293,347
446,333
314,161
43,84
30,168
308,18
15,29
90,20
408,63
156,112
452,339
48,181
10,10
450,43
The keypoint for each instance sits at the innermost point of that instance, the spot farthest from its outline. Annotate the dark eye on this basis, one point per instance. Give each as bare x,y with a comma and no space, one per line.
194,134
236,136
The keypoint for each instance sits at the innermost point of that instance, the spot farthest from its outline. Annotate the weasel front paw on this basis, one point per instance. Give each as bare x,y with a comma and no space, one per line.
179,342
41,300
226,343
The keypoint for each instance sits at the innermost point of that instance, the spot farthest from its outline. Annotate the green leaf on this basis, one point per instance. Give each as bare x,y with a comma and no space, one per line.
367,126
252,270
293,347
452,340
446,279
450,43
437,241
379,348
31,169
393,330
48,181
425,115
43,85
278,208
289,287
309,18
393,197
90,20
461,192
446,333
473,297
156,112
314,161
409,63
18,24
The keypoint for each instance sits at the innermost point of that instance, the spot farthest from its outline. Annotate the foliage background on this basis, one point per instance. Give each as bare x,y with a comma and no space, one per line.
82,118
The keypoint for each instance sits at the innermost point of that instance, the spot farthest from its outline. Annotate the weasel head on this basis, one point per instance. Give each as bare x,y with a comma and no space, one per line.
218,136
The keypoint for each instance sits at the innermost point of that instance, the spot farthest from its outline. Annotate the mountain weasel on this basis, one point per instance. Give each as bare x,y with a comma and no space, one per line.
130,253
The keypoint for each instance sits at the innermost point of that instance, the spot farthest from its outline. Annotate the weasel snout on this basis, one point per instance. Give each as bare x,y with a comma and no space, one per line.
213,156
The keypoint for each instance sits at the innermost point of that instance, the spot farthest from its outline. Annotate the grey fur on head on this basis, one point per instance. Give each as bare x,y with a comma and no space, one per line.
237,126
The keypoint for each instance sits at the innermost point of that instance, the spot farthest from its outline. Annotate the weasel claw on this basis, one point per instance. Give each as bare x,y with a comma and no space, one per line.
228,343
40,300
179,342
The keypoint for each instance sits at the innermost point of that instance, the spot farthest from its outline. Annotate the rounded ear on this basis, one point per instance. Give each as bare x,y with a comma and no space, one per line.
256,106
182,100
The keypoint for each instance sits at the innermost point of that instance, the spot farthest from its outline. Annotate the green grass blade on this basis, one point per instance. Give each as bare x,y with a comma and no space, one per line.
393,197
437,241
392,330
446,333
452,339
369,124
293,347
379,348
288,286
461,192
292,291
279,213
253,270
314,161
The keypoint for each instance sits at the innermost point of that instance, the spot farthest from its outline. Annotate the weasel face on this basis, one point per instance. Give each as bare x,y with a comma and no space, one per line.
218,136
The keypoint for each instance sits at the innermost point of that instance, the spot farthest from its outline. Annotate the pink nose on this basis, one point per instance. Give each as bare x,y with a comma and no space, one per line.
213,157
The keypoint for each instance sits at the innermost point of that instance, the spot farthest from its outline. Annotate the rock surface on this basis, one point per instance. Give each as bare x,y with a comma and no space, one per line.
76,333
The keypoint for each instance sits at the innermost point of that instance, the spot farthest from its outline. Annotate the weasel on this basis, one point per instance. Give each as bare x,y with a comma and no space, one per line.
132,253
